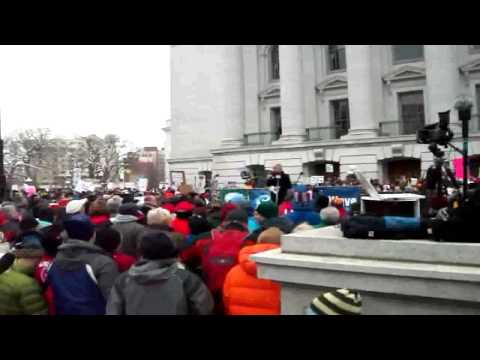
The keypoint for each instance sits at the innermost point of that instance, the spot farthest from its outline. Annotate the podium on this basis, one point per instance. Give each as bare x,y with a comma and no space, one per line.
392,205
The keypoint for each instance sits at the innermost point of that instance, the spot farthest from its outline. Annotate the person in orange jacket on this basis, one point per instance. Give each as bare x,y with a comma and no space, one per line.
243,292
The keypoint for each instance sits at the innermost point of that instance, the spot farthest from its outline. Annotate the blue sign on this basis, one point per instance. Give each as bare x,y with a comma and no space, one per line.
349,194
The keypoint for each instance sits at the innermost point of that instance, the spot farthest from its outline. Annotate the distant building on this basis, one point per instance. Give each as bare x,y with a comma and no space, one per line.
316,109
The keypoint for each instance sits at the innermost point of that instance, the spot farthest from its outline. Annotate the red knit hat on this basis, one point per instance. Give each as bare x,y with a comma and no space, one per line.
184,206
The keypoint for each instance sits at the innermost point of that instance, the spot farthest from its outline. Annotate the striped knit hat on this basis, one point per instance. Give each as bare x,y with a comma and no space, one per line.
338,302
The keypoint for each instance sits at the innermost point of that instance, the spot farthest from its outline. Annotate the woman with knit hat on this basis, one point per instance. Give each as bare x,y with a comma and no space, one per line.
243,292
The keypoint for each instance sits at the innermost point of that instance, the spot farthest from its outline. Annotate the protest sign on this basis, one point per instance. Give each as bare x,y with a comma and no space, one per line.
349,194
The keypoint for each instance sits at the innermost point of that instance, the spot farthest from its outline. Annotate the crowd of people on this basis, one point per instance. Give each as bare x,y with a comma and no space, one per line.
170,253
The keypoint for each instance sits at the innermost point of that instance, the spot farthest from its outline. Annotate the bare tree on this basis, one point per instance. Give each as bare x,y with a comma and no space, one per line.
29,147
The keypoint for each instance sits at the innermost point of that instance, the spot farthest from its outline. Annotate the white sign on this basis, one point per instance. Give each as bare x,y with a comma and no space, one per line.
329,168
177,178
413,181
314,180
142,184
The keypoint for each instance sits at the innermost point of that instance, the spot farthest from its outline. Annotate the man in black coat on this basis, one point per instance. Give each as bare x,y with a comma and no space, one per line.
281,181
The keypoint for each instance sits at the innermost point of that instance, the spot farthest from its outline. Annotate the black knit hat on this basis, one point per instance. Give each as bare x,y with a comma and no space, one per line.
156,245
338,302
129,209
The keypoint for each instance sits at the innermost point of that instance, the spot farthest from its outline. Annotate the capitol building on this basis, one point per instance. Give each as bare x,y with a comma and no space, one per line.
316,109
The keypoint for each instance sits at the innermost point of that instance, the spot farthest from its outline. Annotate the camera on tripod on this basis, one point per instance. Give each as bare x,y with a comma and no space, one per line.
438,133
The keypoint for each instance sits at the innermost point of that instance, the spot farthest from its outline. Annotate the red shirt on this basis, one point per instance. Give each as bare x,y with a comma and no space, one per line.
124,261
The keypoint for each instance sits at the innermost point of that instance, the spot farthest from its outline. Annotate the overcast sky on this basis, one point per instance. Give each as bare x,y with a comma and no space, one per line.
82,90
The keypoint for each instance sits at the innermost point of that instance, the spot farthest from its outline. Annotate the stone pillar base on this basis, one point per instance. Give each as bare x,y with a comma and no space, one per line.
360,134
232,142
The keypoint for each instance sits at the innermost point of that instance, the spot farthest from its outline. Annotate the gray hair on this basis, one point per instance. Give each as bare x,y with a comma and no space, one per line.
330,215
113,204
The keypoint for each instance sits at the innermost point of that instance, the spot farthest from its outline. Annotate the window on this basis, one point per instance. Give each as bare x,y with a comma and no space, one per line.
336,57
407,53
412,112
274,63
276,118
341,117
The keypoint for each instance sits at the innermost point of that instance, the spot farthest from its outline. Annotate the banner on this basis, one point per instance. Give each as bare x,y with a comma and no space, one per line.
349,194
458,166
253,196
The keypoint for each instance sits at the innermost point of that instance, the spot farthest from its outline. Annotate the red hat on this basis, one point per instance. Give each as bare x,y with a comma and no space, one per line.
184,206
227,209
169,206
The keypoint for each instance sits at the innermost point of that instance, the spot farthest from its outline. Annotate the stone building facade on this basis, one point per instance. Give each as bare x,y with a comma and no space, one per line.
315,108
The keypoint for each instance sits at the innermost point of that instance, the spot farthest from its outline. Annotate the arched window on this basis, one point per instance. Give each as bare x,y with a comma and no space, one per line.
274,63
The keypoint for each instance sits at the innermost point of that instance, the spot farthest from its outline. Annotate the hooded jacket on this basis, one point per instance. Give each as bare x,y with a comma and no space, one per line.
244,293
159,287
20,293
104,267
131,232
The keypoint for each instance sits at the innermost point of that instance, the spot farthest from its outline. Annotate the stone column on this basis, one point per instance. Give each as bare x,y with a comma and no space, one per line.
234,95
362,93
250,73
443,81
291,94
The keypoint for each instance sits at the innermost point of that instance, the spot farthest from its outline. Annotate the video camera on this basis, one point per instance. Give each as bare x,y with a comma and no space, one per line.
436,134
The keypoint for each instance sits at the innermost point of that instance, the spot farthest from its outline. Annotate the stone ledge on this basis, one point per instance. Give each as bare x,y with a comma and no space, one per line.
459,283
329,241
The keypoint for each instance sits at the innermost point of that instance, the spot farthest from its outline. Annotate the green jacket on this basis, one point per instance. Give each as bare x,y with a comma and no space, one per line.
20,294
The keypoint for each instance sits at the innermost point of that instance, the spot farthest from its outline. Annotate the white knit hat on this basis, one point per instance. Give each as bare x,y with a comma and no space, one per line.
75,206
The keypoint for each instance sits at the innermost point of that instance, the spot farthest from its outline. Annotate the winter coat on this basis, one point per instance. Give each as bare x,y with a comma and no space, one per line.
181,226
310,217
159,287
124,262
20,294
41,272
283,182
104,267
131,233
244,293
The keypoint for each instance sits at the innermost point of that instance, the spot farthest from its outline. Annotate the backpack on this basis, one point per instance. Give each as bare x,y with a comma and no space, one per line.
220,256
75,289
303,198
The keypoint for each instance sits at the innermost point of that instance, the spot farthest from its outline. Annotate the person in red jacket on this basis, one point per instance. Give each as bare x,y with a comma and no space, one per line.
183,210
51,240
99,214
243,292
109,240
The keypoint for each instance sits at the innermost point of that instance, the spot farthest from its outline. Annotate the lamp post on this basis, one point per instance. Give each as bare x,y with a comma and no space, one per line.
464,107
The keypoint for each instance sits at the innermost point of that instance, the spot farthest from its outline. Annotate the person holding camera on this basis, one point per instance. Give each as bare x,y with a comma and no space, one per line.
280,182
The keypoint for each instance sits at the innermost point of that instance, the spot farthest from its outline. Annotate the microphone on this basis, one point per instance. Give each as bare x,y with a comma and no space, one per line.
6,261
